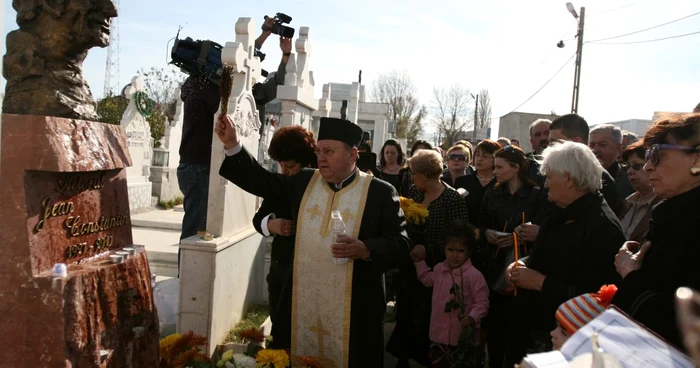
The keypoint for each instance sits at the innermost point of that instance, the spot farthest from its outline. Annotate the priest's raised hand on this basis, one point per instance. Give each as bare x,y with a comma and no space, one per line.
226,131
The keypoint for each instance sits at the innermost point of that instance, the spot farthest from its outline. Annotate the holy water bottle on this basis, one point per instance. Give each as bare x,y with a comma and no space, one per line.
337,228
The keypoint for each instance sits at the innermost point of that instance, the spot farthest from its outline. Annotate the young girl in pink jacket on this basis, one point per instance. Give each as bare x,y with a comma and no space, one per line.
460,294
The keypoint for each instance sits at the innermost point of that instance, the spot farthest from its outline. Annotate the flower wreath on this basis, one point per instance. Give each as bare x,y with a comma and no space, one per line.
143,104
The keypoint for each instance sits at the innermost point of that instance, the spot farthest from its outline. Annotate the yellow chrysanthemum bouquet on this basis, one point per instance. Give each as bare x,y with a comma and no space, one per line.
414,212
416,215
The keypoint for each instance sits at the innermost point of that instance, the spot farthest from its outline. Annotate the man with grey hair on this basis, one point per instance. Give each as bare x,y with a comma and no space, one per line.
606,142
573,127
575,251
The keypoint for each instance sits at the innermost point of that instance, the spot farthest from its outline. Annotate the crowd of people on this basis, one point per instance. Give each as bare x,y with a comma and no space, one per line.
513,241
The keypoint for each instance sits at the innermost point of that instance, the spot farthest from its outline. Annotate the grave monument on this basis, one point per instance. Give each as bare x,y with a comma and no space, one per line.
75,291
222,274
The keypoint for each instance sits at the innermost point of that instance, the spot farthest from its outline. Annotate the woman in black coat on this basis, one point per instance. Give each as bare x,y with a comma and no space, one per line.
293,147
652,272
513,198
573,252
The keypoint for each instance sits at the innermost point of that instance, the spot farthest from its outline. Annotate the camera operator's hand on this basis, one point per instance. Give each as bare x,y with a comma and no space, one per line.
267,31
226,131
267,25
285,45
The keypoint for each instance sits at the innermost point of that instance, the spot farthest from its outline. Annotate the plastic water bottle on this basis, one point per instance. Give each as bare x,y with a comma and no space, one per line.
337,229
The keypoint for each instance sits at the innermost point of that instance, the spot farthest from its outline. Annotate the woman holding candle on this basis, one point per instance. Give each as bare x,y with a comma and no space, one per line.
574,250
513,199
669,257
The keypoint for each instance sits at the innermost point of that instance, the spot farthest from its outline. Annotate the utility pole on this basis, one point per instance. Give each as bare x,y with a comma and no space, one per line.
579,50
476,117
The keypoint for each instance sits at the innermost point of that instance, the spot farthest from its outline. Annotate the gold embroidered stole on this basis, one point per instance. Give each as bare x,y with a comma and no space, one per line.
322,290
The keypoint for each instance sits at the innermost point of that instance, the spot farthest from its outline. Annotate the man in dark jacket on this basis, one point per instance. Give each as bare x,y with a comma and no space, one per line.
606,142
201,99
572,127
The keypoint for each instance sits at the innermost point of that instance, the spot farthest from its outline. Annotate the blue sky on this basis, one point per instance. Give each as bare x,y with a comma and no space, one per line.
508,47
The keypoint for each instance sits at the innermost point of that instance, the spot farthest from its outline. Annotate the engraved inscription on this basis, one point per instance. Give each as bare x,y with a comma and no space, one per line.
75,184
78,229
57,209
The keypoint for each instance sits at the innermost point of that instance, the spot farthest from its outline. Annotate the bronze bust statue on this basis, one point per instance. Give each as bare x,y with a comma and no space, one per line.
43,64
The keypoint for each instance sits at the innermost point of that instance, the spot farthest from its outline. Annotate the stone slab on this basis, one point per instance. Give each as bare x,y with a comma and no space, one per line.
64,186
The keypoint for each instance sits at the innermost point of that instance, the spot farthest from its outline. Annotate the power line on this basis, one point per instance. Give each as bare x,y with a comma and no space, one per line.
618,8
646,29
544,85
644,41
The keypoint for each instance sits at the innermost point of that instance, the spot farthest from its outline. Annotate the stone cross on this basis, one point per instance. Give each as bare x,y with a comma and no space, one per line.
231,209
223,275
303,47
297,101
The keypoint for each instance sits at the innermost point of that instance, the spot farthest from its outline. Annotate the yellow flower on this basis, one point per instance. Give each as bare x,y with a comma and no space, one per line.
414,212
166,343
269,358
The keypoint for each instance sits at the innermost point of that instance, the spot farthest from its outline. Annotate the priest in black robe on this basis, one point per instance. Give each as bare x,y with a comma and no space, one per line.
381,241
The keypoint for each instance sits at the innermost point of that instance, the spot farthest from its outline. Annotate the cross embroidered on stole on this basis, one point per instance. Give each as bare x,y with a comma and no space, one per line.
322,290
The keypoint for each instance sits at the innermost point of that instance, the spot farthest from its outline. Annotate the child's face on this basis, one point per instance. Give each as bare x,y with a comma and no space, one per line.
456,253
559,337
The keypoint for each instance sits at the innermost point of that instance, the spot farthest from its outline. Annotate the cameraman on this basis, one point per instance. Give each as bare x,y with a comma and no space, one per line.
201,98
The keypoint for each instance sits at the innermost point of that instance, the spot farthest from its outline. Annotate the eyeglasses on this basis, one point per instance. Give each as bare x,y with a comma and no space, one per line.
654,153
633,166
457,157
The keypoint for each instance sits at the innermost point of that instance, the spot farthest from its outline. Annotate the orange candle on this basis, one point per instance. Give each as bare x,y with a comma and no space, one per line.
515,245
523,218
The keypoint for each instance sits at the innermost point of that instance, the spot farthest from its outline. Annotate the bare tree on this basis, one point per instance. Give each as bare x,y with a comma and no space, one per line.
160,85
484,113
396,89
451,112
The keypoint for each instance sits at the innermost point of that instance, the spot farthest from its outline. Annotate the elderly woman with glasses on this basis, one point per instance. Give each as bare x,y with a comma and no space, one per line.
410,340
574,250
636,211
668,259
458,159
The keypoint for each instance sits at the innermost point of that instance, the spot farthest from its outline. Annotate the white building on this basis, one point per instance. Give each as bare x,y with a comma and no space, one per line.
516,125
636,126
370,116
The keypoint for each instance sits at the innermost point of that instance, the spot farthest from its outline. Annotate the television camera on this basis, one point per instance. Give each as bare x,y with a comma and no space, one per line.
279,28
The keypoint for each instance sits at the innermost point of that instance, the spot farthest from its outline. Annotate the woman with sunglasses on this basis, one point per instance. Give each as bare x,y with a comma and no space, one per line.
637,207
511,200
457,164
668,259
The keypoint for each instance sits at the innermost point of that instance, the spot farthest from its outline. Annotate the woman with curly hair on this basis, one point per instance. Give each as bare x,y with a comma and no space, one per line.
293,147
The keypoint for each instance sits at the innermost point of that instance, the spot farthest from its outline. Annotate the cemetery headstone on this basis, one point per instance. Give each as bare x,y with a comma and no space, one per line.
138,134
75,291
221,277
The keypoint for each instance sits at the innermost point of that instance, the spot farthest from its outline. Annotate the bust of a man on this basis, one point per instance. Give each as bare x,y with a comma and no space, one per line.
43,64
